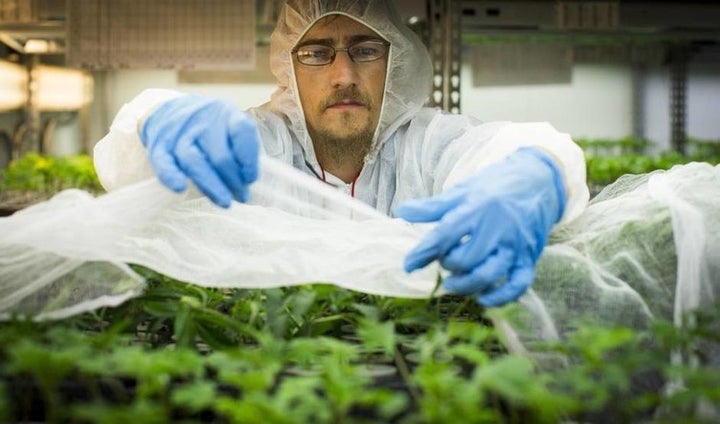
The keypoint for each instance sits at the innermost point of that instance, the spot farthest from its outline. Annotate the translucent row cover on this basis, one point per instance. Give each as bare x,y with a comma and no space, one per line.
647,247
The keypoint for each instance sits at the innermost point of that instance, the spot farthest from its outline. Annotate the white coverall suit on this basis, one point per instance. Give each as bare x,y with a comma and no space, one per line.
416,152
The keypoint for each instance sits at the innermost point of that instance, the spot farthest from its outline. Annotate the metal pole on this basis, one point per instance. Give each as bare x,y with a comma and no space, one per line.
453,46
444,19
678,97
30,139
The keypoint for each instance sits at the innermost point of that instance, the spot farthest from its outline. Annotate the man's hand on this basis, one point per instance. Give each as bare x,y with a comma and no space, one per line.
492,226
208,141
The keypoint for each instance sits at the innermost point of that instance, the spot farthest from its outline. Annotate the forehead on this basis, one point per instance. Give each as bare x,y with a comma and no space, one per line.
337,28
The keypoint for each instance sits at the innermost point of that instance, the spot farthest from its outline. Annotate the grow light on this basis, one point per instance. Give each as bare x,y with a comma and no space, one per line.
13,85
61,89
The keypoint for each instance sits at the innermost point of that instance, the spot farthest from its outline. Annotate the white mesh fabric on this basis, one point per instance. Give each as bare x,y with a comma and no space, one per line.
304,232
647,247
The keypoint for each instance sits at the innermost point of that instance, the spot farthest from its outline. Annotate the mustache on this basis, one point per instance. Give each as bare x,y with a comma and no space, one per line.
348,93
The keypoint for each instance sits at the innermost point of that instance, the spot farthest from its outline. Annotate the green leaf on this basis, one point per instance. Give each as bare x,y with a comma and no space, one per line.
509,376
371,312
194,397
142,411
470,353
377,335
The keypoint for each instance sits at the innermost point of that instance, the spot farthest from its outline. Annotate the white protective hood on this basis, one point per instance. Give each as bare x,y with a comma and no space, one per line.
407,85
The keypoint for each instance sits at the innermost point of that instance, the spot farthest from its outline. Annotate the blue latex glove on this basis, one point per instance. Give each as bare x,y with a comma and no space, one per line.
492,226
208,141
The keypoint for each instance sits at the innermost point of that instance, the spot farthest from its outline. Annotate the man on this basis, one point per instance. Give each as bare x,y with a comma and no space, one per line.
352,81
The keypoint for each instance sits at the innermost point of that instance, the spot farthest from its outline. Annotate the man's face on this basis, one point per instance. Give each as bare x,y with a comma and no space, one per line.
342,99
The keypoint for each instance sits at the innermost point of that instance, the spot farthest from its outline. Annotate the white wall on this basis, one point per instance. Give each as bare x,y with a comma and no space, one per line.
702,119
124,85
66,138
597,104
656,105
115,88
703,115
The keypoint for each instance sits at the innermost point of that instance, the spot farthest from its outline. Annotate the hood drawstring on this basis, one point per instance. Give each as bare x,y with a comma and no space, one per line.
352,184
321,177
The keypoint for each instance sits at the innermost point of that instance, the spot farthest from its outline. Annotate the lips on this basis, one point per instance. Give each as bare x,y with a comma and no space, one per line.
347,98
345,103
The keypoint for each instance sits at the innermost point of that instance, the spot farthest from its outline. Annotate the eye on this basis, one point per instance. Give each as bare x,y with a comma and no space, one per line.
314,53
368,50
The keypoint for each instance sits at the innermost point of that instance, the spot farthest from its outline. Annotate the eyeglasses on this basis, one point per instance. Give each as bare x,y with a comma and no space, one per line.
320,54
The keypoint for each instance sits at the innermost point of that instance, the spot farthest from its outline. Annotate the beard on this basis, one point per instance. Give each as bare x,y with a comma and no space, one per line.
351,141
343,148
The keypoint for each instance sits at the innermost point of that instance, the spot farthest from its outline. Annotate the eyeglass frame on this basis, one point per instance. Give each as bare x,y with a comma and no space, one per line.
335,51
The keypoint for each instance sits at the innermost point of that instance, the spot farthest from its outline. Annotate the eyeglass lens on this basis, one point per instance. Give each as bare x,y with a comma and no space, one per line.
320,54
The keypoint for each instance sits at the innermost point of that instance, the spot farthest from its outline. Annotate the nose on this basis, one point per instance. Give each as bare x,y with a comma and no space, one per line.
343,71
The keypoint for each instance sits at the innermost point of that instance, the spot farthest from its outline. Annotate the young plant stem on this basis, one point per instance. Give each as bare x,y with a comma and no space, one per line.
460,308
406,376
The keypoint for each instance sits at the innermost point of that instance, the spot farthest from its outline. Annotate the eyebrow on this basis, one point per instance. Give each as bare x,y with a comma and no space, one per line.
331,42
